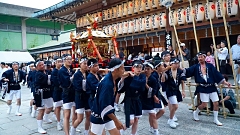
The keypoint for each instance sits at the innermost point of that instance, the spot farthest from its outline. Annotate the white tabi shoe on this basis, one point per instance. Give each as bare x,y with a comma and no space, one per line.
151,130
18,114
116,108
195,116
172,124
40,129
73,131
59,126
218,123
9,110
175,119
33,114
46,119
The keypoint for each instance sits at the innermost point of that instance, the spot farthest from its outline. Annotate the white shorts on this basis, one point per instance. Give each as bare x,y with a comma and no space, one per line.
58,103
173,100
31,96
132,116
82,110
17,93
69,105
47,103
98,128
148,111
158,109
206,96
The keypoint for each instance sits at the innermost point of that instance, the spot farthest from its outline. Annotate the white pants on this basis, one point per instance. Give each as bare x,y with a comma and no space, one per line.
148,111
82,110
236,67
205,97
173,100
69,105
58,103
47,103
17,93
98,128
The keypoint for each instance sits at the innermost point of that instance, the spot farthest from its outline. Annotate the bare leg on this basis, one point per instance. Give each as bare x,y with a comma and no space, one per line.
135,126
67,113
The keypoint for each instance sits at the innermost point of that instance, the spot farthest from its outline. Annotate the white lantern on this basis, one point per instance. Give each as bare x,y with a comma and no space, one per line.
181,16
210,10
136,25
219,8
99,15
148,4
189,13
136,6
106,30
155,21
143,5
109,14
130,26
120,28
163,20
105,15
114,12
154,4
120,10
232,7
125,9
172,18
110,29
125,27
130,7
115,27
142,24
199,12
148,22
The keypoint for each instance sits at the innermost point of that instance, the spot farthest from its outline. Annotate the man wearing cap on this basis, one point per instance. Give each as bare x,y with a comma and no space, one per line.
43,95
65,77
103,116
186,57
57,91
13,76
206,75
133,84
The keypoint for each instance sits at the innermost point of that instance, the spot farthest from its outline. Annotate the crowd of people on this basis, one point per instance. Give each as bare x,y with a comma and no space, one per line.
94,93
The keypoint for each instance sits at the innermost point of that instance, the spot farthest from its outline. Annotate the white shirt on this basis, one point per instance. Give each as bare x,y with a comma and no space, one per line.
222,55
130,57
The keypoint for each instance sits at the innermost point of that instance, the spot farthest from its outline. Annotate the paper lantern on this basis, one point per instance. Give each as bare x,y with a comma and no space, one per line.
143,5
114,12
219,8
148,22
142,24
148,4
172,18
130,26
163,20
136,25
130,7
232,7
120,10
136,6
109,14
125,27
199,12
99,15
125,9
189,13
155,21
120,28
181,16
105,29
115,27
210,10
105,17
154,4
110,29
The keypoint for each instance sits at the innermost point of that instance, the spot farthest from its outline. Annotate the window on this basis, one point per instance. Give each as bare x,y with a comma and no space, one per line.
3,26
14,27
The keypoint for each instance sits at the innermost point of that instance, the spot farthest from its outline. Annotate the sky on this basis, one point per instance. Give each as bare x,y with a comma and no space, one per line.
39,4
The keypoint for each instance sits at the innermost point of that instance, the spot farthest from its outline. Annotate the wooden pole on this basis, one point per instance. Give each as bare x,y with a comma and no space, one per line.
229,48
194,26
215,54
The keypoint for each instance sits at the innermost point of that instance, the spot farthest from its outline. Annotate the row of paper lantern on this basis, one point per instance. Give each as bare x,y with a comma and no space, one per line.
181,15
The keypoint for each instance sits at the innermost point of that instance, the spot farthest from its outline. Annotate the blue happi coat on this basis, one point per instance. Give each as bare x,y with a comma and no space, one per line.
212,75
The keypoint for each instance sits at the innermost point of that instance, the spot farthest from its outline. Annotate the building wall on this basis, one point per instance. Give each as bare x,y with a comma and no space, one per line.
37,32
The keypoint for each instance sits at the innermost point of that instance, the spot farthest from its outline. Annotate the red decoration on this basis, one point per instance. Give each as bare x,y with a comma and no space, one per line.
165,17
184,12
202,9
236,2
101,14
225,4
131,4
213,6
158,18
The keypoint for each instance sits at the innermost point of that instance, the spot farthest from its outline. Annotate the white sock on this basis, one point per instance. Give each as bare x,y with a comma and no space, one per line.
86,132
197,110
155,131
39,122
45,116
18,107
215,113
115,104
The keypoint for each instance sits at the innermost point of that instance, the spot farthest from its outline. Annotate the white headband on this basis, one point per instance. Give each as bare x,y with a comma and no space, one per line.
38,63
175,61
64,58
117,66
83,59
135,65
149,64
91,65
31,64
160,63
